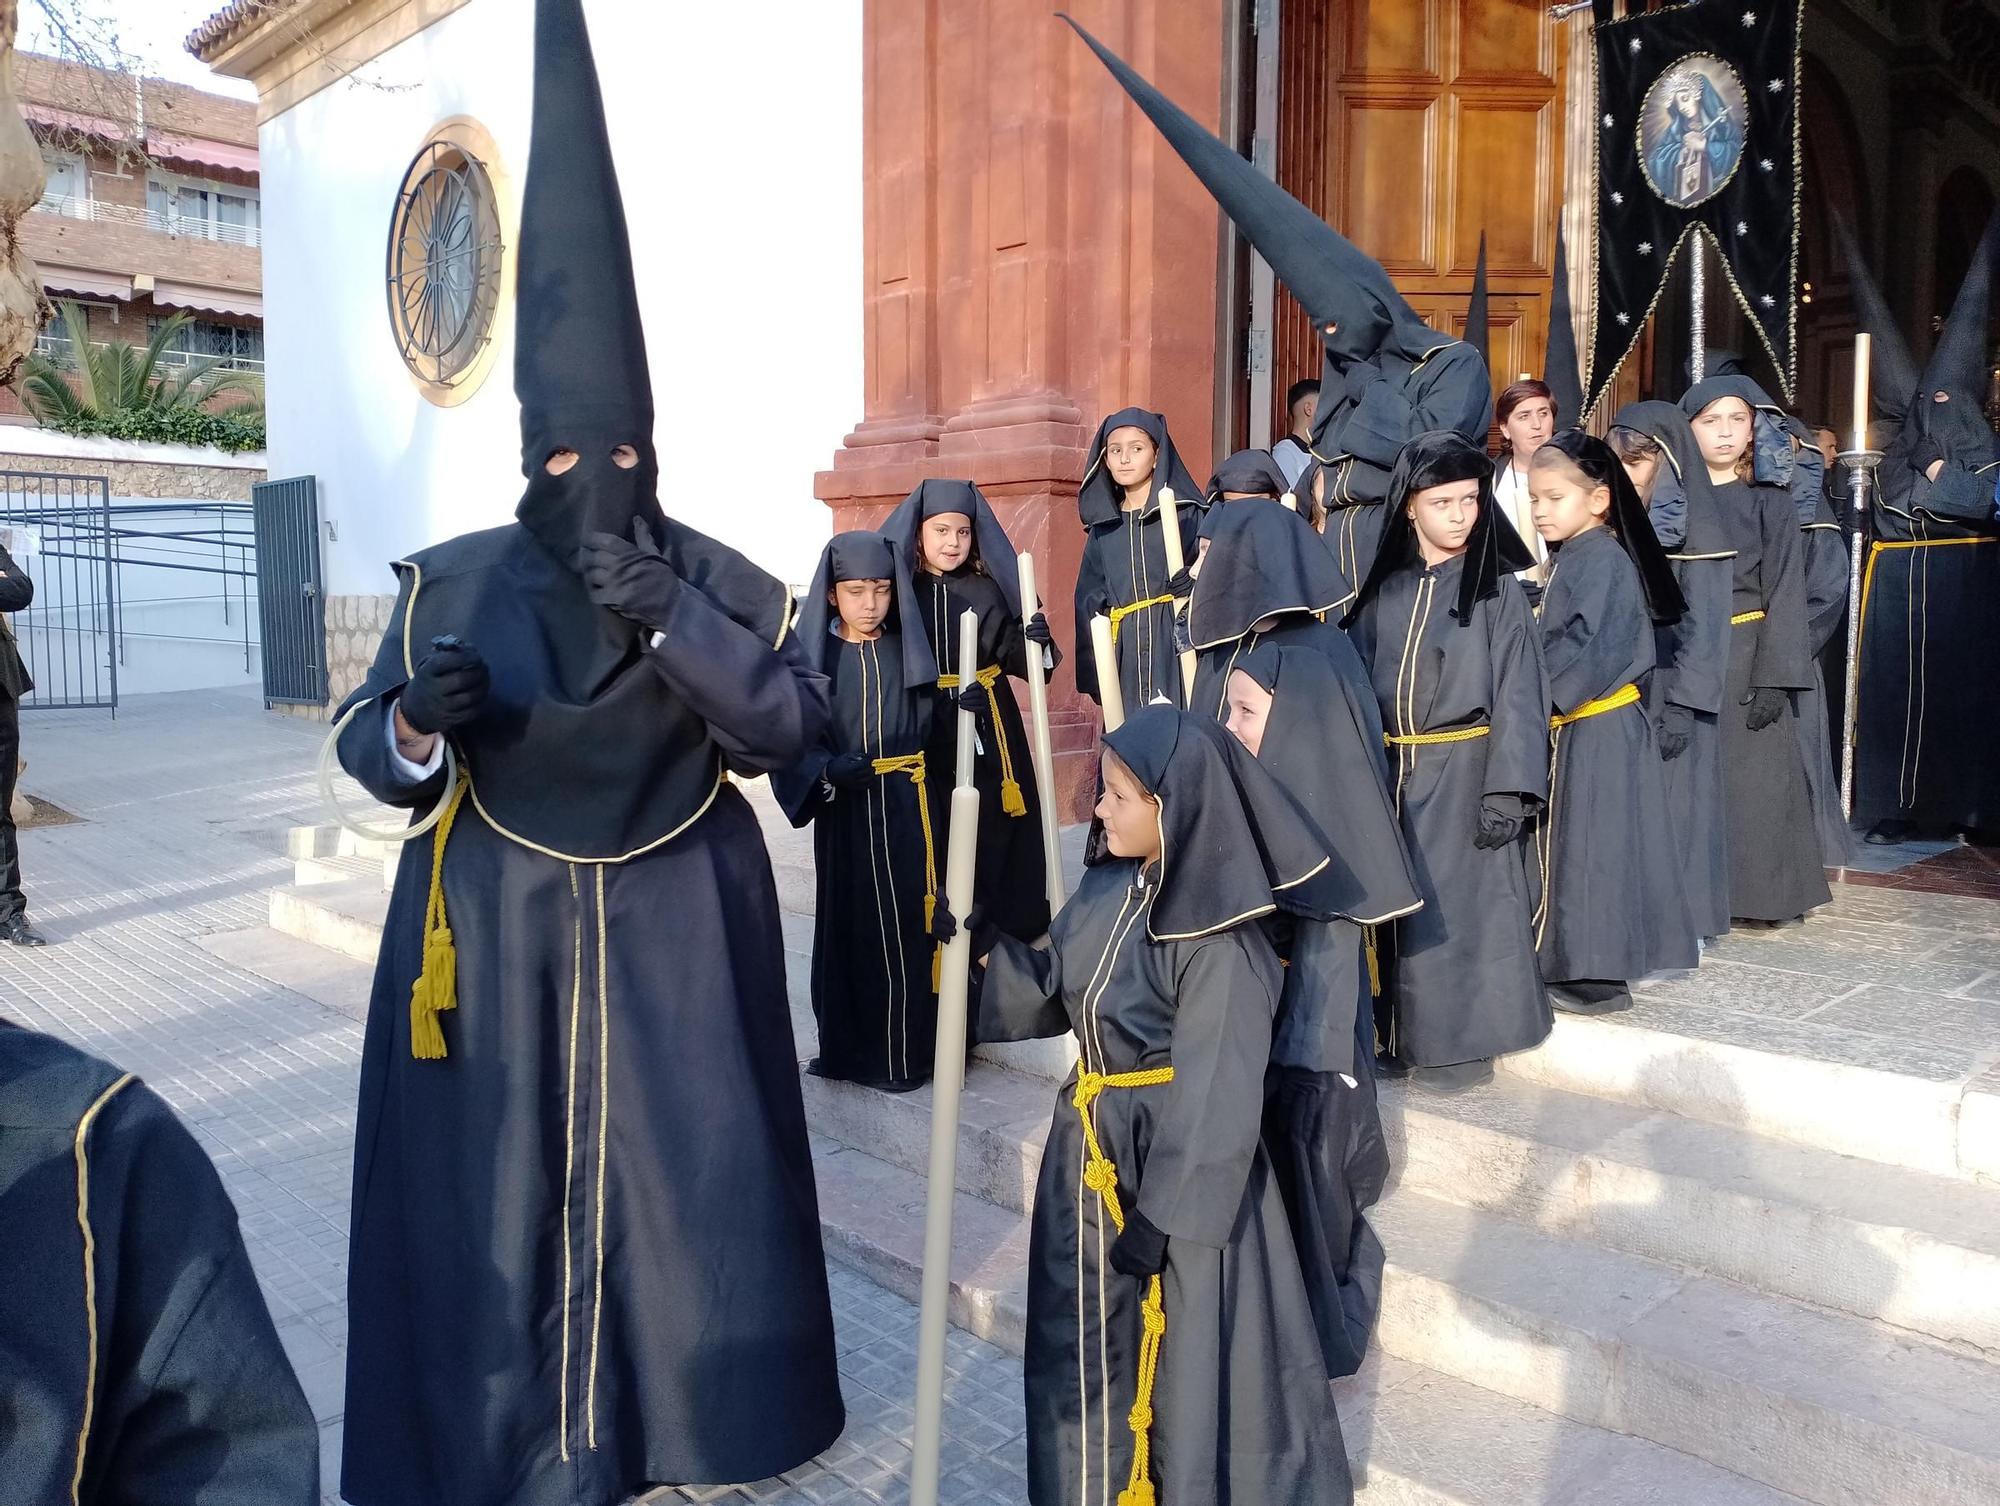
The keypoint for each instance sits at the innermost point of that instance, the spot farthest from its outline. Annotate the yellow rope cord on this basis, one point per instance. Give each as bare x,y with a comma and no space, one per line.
436,988
912,764
1624,695
1877,546
1119,614
1101,1177
1427,739
1011,799
1742,617
1374,955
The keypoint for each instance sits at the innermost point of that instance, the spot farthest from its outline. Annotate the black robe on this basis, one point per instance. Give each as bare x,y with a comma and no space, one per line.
1241,1411
1826,570
1774,855
1462,984
1011,882
149,1346
585,1253
1125,562
1612,904
871,970
1415,381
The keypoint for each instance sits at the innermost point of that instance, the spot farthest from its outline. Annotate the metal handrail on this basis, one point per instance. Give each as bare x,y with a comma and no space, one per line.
61,351
190,227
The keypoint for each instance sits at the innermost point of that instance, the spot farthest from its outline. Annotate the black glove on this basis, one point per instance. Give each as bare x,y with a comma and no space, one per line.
1500,818
1180,583
1036,630
1141,1250
1675,730
943,927
1766,706
849,771
448,688
629,576
972,697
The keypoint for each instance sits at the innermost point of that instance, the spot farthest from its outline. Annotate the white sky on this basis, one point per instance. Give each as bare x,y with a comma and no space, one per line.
151,31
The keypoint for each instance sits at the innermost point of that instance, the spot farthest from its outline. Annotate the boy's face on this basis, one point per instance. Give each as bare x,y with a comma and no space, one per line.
863,605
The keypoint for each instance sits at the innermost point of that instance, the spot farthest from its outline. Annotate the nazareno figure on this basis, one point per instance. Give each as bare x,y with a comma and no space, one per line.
1387,376
1123,574
1305,723
1613,906
1170,1342
863,787
1929,704
1775,871
1451,647
586,1254
960,558
1685,695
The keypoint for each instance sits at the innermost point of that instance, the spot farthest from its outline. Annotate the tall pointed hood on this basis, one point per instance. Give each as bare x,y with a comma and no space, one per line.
1560,367
580,353
1477,322
1893,370
1959,364
1334,281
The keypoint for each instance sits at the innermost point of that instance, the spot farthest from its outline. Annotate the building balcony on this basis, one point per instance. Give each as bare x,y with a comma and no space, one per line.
94,249
169,223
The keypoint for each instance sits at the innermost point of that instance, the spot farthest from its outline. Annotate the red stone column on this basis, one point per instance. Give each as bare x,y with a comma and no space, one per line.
1033,258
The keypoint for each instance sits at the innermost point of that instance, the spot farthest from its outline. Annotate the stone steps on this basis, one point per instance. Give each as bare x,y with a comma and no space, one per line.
344,916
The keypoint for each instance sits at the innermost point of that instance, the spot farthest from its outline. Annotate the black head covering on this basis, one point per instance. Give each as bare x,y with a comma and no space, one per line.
1477,321
579,353
1893,369
1627,520
1775,461
1349,806
862,555
990,544
1699,533
1252,471
1233,844
1958,367
1494,550
1560,368
1262,560
1100,499
1334,281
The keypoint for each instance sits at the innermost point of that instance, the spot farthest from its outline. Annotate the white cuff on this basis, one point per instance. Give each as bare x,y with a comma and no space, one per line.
409,772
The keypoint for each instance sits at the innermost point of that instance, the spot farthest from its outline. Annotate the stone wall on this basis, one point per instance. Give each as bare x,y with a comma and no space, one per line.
143,478
354,626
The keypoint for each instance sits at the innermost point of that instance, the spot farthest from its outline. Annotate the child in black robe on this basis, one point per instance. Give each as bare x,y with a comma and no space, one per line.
960,558
1290,707
876,857
140,1361
1613,906
1170,1350
1452,651
1123,573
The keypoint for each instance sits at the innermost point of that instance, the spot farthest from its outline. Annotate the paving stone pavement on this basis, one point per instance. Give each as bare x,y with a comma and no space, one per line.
185,801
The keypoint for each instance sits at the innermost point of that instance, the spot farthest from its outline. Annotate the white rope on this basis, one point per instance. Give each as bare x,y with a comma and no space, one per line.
375,834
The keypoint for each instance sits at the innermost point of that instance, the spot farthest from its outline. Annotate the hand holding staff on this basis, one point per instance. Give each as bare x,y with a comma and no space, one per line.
1039,743
1170,521
948,1078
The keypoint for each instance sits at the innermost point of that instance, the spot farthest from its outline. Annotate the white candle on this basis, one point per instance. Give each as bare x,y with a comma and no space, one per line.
1862,344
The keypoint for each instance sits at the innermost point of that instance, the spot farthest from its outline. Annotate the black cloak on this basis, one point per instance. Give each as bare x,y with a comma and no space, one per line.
877,858
566,1282
1154,971
1010,884
132,1329
1248,473
1692,654
1123,572
1613,904
1321,1126
1462,982
1775,868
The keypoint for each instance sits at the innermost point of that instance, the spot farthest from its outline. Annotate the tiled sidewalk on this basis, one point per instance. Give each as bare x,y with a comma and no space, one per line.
186,800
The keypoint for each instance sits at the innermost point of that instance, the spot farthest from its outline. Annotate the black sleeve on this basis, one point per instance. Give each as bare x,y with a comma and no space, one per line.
364,742
1092,600
17,591
1782,662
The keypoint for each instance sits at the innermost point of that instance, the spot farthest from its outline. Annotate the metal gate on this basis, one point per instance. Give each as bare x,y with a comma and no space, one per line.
290,597
58,529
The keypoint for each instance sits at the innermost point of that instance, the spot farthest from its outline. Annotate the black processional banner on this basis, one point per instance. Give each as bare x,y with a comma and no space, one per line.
1698,131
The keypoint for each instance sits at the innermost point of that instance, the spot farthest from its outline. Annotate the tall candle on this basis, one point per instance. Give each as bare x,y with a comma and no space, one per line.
1862,344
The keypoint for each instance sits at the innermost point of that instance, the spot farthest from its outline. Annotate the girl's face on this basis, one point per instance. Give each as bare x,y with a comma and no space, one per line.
1131,817
1130,454
1529,426
1444,516
1249,710
863,606
947,540
1566,502
1642,469
1722,431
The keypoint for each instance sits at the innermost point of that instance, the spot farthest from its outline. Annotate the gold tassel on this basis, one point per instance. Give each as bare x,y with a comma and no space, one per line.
436,985
937,968
1374,962
1011,800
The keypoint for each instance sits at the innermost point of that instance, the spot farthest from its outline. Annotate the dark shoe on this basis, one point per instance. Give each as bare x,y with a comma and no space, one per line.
1889,833
814,1069
1388,1067
17,932
1590,996
1456,1078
